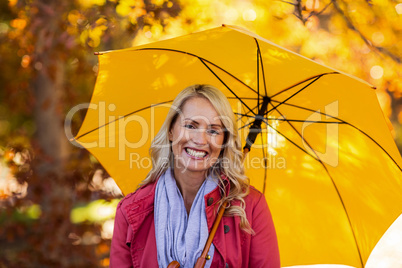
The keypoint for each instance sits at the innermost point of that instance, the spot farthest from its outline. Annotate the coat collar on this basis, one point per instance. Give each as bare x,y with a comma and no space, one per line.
143,198
142,206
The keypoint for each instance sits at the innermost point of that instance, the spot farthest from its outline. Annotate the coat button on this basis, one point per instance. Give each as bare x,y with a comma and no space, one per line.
210,201
226,229
227,265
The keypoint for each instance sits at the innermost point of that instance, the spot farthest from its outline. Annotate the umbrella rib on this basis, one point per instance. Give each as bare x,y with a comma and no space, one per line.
333,183
243,98
246,114
202,59
349,124
262,65
301,82
300,90
225,85
280,133
246,125
258,78
241,118
124,116
265,165
294,120
307,121
310,110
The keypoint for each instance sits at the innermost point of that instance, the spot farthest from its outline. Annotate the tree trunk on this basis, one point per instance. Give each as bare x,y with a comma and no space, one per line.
52,142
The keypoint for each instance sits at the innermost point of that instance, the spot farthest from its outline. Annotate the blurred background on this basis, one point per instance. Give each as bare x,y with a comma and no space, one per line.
57,203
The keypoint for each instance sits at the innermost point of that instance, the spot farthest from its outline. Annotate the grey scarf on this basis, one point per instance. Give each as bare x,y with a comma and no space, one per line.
178,236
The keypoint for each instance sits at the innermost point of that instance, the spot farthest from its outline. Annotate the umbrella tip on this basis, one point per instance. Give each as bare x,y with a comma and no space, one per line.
98,53
72,139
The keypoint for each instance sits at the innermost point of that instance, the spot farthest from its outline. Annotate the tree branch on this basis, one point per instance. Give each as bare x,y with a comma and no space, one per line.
298,12
366,40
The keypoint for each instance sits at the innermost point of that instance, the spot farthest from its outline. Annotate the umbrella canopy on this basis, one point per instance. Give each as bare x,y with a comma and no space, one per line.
323,156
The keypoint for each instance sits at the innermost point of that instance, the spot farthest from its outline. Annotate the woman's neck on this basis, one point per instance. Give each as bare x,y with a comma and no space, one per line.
188,183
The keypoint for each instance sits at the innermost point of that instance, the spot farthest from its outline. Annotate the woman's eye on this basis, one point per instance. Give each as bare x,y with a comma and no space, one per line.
213,131
189,126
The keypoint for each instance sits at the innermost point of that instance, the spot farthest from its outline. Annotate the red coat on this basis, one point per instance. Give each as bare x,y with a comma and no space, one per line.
134,243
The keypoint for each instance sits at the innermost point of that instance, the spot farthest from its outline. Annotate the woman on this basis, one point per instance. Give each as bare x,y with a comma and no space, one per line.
197,165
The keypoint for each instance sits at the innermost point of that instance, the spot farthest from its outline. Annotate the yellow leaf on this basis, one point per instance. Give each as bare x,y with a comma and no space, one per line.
18,23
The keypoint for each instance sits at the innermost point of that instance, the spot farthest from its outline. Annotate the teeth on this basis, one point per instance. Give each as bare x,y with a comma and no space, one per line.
195,153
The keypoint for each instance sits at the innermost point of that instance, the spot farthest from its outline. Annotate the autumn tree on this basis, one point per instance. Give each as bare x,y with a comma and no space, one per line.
47,48
47,67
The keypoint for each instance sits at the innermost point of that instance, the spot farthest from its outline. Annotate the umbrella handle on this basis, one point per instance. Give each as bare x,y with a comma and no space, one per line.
245,152
204,255
174,264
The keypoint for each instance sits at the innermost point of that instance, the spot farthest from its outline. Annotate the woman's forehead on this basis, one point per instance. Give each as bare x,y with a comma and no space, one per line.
200,109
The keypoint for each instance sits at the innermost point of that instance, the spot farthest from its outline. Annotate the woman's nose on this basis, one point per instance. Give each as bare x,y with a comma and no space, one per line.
199,137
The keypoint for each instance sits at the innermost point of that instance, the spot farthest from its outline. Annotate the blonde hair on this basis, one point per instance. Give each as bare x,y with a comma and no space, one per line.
232,167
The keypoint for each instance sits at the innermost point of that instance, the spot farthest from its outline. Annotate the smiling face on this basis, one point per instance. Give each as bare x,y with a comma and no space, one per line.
197,136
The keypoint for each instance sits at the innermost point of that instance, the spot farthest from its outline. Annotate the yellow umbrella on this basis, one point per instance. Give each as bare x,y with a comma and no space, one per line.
323,154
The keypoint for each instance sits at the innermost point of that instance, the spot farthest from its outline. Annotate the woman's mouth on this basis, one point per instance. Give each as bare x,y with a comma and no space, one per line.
196,153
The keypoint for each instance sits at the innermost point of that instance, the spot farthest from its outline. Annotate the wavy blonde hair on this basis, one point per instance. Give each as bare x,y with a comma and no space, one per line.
232,167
